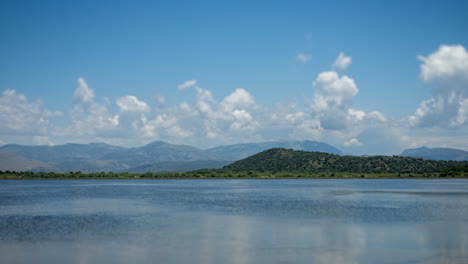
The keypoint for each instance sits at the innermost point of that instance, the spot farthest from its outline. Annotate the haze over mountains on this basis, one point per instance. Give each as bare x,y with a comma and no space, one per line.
12,162
103,157
240,151
436,153
159,156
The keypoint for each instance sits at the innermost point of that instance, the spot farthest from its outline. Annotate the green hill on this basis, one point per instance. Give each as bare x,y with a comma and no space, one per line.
288,160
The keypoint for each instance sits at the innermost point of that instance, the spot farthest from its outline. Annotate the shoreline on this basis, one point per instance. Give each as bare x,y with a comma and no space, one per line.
212,177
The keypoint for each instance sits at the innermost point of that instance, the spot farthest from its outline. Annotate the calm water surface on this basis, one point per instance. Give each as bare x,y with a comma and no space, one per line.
234,221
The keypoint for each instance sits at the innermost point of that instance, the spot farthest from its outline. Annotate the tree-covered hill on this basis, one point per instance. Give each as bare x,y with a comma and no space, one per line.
288,160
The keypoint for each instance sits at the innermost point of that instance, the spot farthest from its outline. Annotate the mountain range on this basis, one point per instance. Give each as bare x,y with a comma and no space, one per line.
160,156
102,157
157,156
436,153
12,162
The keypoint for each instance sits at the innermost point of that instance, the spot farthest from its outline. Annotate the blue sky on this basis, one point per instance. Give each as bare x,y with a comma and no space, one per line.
109,71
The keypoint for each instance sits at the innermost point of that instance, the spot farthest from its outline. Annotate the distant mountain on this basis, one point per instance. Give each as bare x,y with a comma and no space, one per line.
240,151
436,153
12,162
103,157
287,160
62,152
158,151
180,166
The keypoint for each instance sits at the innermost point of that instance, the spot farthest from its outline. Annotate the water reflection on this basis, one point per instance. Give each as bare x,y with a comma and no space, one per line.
249,221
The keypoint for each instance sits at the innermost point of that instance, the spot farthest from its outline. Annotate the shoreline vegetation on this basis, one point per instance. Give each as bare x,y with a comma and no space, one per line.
222,174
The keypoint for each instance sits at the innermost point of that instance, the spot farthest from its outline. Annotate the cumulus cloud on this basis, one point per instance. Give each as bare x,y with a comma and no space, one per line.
287,120
132,104
88,118
376,116
219,121
342,62
163,125
333,99
353,142
19,116
83,93
50,113
234,111
187,84
240,98
446,64
447,69
303,58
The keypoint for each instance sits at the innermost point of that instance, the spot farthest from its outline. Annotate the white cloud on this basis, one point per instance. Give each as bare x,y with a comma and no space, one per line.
335,89
163,125
376,116
203,94
185,107
18,116
381,139
356,114
446,64
88,118
240,98
287,120
333,99
303,58
50,113
353,142
83,92
447,68
187,84
307,129
132,104
242,120
295,118
342,62
210,119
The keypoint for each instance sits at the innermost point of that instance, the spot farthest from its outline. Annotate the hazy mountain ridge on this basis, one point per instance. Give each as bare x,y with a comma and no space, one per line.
61,152
180,166
288,160
436,153
158,151
156,156
12,162
240,151
160,156
103,157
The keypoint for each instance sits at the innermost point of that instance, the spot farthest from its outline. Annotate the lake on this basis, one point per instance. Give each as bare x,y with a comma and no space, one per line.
234,221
